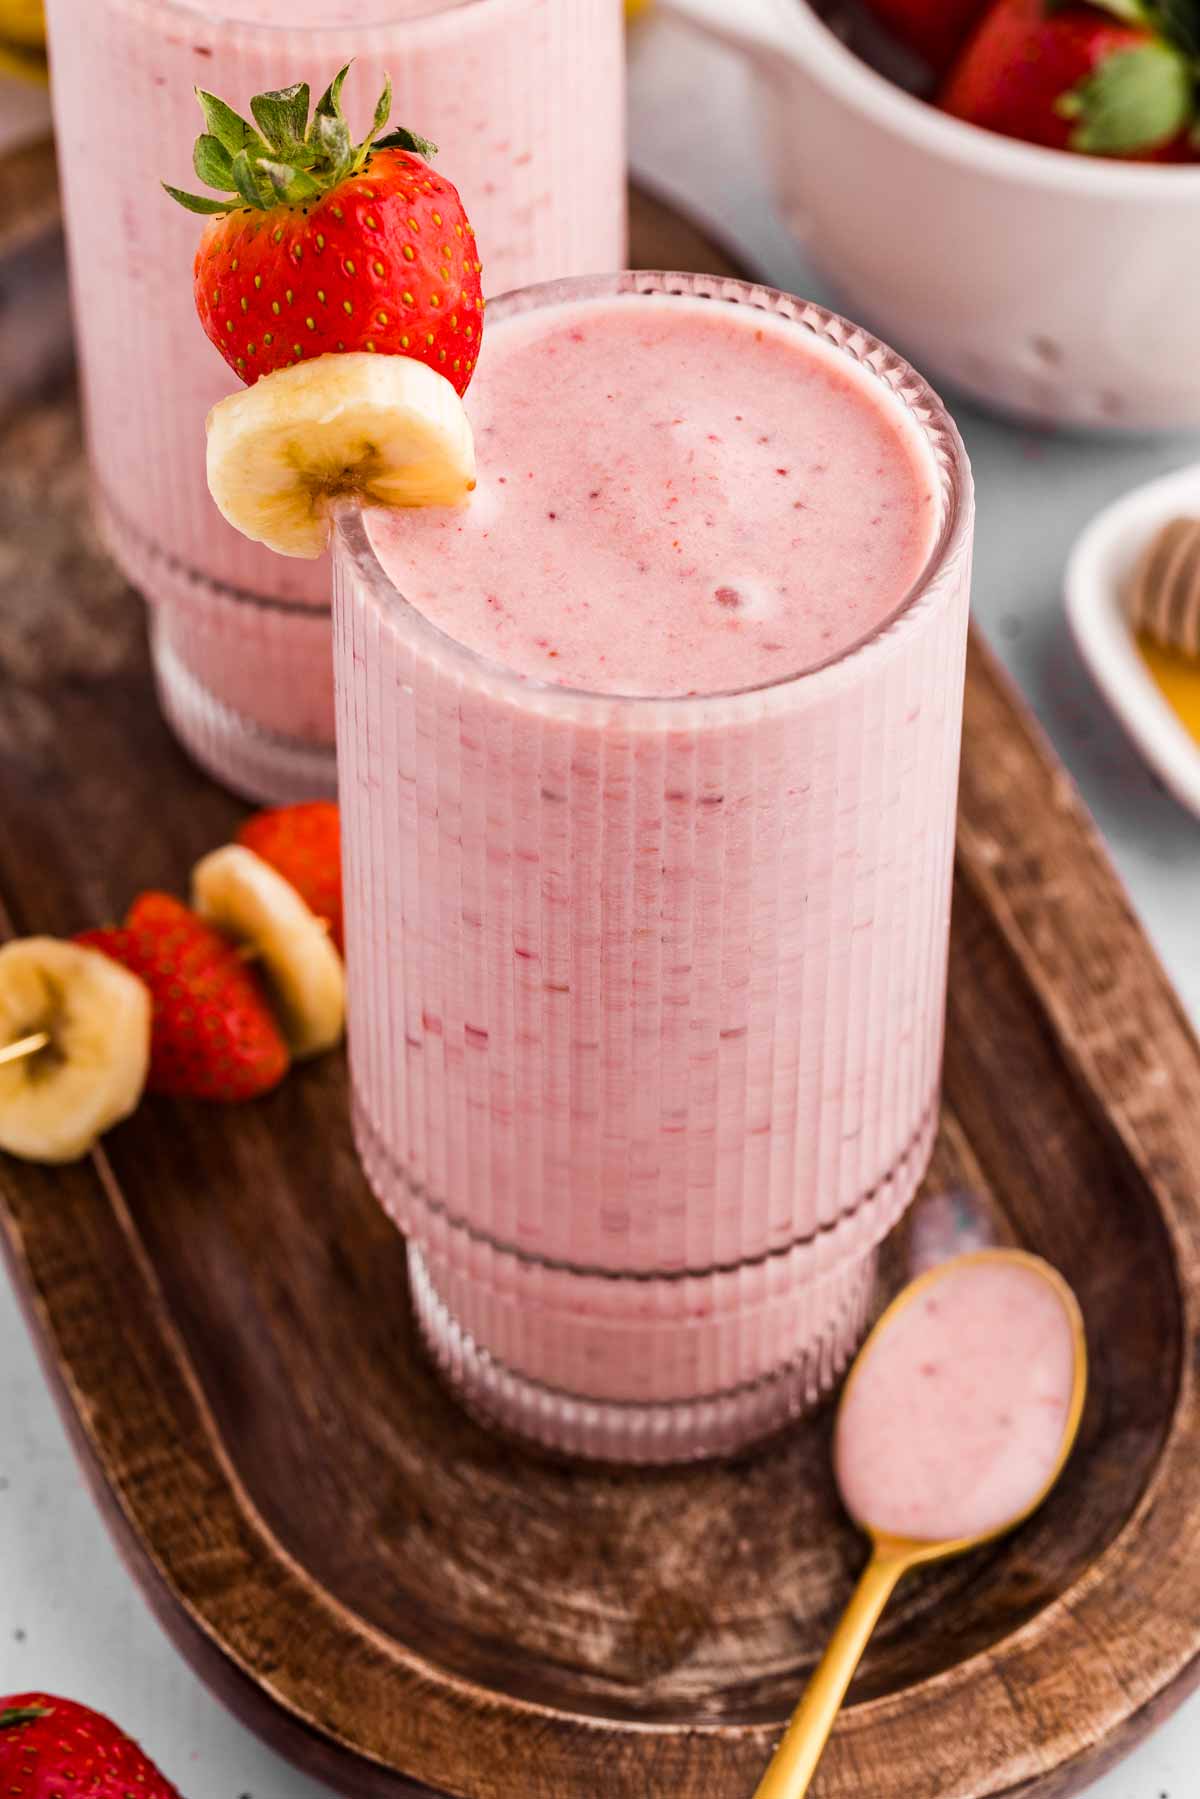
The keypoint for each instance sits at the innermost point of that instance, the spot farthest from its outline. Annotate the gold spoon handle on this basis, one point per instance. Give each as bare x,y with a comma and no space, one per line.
795,1761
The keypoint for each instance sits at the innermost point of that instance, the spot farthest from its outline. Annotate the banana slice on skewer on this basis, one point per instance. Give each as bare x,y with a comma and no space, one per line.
246,899
350,426
91,1021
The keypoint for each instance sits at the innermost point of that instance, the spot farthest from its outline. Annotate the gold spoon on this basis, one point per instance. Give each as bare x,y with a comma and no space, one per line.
795,1760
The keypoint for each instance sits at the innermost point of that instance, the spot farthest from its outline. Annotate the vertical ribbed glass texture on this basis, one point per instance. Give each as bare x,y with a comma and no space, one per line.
647,995
525,99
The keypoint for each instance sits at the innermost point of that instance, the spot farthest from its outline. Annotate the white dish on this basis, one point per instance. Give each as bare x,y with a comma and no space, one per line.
1097,574
1056,287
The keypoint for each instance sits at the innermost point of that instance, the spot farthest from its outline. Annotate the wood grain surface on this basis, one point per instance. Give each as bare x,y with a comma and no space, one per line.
409,1606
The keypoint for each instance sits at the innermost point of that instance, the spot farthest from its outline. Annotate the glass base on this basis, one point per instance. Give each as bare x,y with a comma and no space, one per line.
259,765
680,1430
636,1367
245,681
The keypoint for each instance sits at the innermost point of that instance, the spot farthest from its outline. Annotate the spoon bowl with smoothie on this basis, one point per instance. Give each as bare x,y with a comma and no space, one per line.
957,1419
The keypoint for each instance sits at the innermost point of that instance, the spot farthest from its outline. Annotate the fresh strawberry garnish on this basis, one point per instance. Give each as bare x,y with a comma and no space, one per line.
934,29
1076,77
213,1034
303,843
320,244
55,1749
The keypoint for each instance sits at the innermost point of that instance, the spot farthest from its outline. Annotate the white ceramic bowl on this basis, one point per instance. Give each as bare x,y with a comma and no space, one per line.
1061,288
1097,576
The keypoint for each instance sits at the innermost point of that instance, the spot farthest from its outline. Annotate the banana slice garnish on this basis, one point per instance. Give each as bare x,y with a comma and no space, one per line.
246,899
95,1015
348,426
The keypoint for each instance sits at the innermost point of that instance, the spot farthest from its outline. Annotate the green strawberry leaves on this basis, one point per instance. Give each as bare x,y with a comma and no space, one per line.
200,203
401,139
292,185
330,103
1142,97
22,1714
224,124
213,163
252,186
282,117
333,139
283,158
383,107
1135,100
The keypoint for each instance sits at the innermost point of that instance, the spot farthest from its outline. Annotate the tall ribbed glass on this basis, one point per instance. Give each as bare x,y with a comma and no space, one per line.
525,99
647,995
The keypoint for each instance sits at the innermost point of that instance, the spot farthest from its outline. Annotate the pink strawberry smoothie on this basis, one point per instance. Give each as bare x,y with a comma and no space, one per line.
672,499
242,636
957,1417
650,989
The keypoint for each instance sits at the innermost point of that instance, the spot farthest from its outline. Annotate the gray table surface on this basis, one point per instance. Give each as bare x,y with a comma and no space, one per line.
70,1618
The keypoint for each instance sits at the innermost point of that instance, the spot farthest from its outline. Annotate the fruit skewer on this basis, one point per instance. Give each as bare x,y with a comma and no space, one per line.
209,1001
24,1046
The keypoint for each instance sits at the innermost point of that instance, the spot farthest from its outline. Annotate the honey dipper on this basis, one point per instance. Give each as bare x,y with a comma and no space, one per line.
1163,597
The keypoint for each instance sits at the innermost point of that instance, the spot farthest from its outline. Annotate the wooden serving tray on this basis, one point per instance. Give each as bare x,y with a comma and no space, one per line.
409,1606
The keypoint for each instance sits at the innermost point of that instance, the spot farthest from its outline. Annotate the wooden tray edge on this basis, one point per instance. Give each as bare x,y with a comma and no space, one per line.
309,1725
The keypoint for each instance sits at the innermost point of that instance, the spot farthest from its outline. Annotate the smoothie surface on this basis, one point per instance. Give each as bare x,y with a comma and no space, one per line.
675,496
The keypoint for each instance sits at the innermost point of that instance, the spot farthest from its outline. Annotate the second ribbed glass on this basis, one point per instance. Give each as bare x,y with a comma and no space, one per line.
526,101
648,994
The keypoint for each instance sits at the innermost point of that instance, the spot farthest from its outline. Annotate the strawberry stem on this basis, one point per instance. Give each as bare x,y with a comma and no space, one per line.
285,158
22,1714
1131,102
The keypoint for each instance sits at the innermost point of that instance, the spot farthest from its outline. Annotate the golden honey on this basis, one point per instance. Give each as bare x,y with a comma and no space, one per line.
1177,678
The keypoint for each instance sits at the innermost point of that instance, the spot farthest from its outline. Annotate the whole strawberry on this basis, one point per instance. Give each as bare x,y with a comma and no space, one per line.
320,244
1110,79
213,1035
304,844
55,1749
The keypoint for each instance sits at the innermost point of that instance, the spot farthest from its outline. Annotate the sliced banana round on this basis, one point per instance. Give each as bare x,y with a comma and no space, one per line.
90,1071
248,900
349,426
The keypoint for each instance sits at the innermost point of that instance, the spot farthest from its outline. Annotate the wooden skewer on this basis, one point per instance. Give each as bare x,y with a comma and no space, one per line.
24,1046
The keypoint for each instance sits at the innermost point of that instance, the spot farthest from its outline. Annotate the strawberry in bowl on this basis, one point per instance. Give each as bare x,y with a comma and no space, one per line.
340,281
1110,79
1105,78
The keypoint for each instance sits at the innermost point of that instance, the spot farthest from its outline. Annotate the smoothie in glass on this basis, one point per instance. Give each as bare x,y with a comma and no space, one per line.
648,764
524,99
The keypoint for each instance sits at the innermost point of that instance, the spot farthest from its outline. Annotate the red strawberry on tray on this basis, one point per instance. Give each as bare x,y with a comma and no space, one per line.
1072,77
304,844
55,1749
213,1034
341,281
